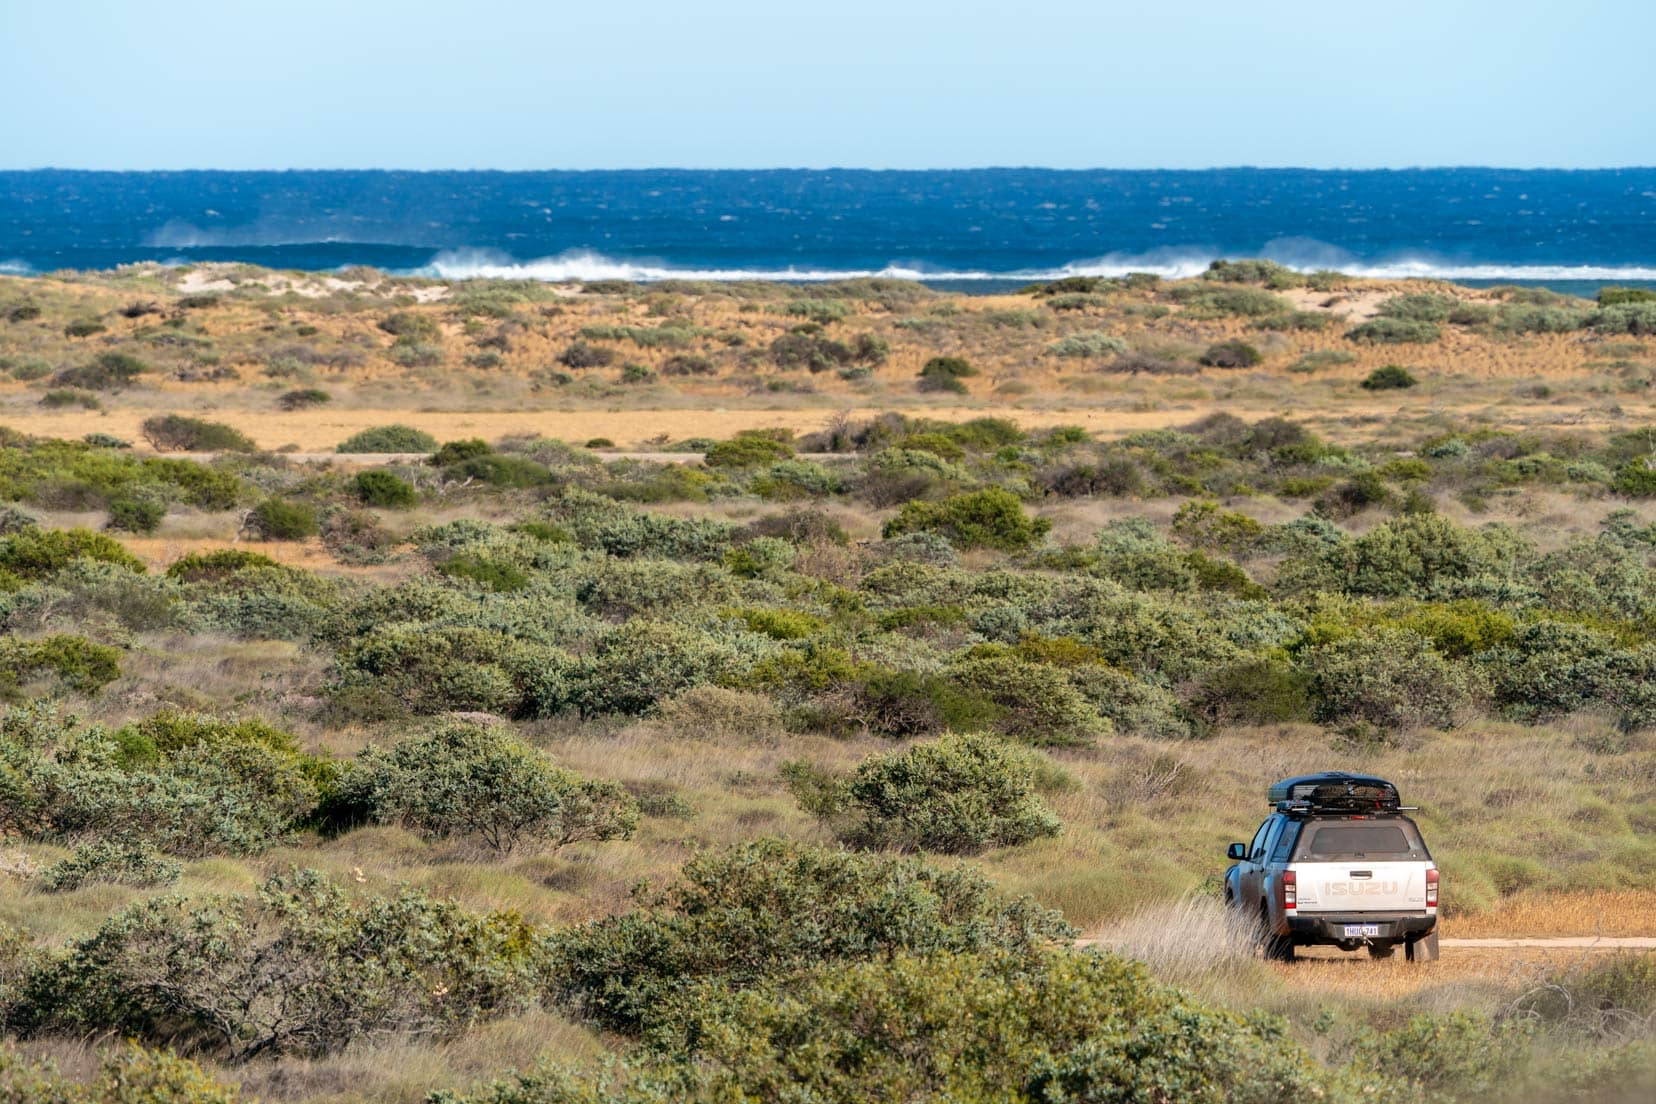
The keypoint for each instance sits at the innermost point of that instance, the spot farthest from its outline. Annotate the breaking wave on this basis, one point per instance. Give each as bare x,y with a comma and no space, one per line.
578,266
15,267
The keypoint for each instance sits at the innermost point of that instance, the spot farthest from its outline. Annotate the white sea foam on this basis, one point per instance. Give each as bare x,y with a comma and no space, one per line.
16,267
583,265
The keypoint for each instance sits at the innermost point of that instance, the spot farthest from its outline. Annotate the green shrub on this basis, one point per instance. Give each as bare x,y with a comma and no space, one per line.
26,369
1391,377
500,576
641,662
774,909
1420,556
137,511
84,327
107,372
747,451
1637,478
414,327
821,311
1087,343
1637,319
481,783
73,661
1615,296
440,668
1454,1056
132,1075
1418,307
1211,299
959,796
581,354
1390,678
1231,354
1257,690
390,438
946,1026
177,433
67,396
945,374
1035,702
991,518
110,862
33,554
305,398
279,519
383,490
1395,331
301,968
457,452
811,351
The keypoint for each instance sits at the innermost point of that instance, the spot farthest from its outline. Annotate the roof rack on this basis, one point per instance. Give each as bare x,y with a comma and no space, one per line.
1334,792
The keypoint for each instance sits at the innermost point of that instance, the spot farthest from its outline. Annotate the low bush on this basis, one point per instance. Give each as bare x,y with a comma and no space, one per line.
110,862
178,433
771,910
390,438
60,397
1231,354
1390,678
132,1075
1395,331
582,354
991,518
945,374
73,662
304,399
1088,343
1637,319
1418,307
958,796
107,372
1391,377
908,1026
384,490
1213,299
1637,478
482,783
279,519
137,511
32,554
300,968
748,451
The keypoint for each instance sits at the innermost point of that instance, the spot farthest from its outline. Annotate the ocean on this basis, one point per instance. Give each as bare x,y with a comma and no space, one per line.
970,229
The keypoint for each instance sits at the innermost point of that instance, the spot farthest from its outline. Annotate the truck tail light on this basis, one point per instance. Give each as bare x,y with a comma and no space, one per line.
1290,890
1431,888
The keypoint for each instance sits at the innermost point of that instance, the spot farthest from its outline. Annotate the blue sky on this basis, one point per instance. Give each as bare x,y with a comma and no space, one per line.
520,84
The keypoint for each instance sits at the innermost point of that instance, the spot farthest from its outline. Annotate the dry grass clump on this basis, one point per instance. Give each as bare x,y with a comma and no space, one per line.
1194,941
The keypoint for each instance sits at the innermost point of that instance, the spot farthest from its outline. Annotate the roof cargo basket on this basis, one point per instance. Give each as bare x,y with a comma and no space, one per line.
1334,792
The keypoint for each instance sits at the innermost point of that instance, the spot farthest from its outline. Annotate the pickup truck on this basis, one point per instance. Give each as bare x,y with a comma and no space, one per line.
1337,864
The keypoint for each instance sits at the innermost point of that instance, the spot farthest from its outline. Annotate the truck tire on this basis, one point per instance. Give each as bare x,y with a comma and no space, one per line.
1276,948
1424,949
1382,950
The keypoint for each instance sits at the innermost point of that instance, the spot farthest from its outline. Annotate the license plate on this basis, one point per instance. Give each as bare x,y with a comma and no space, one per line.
1357,931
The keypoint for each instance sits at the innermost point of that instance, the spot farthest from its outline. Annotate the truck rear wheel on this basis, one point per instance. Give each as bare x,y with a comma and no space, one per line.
1277,948
1425,948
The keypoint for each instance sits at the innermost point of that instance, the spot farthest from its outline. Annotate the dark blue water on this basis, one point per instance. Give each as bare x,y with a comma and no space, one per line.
1569,228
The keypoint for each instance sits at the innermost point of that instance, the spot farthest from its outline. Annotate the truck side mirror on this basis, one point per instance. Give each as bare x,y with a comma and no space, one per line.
1236,851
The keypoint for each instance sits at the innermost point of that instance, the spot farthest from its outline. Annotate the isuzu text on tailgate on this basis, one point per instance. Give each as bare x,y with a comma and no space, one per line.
1337,864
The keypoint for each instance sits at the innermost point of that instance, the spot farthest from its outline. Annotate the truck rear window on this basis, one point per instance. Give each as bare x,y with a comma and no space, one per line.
1357,841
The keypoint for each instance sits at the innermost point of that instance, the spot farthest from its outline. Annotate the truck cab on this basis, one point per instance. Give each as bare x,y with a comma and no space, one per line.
1337,863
